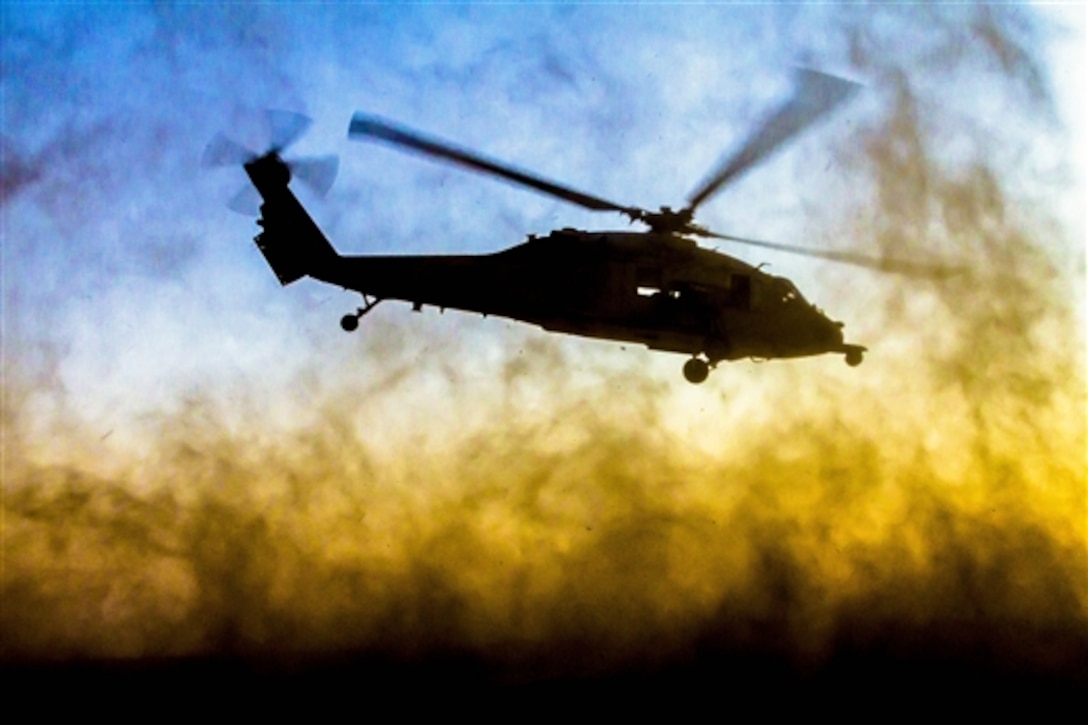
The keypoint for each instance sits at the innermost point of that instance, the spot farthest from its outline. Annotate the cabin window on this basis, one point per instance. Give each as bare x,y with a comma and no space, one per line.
649,282
672,294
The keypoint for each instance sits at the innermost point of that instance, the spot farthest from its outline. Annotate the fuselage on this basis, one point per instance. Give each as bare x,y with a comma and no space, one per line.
659,290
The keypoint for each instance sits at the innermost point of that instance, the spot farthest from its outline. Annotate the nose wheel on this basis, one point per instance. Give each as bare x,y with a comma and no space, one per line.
696,370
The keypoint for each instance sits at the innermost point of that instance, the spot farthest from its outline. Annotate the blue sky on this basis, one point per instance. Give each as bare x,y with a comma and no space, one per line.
132,296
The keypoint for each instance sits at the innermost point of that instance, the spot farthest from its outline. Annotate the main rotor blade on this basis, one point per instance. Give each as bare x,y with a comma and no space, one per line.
372,127
223,151
895,266
317,172
817,94
285,127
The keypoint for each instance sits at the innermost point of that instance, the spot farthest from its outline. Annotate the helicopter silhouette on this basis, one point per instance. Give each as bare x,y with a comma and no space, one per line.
657,287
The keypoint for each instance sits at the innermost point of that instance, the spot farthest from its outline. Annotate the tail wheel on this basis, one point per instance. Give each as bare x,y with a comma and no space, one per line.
349,323
696,370
854,358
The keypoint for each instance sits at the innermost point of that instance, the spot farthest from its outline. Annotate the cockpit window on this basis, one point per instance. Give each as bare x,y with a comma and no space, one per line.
785,290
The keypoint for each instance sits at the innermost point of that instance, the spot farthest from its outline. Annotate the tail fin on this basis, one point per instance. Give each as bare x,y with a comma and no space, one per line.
291,242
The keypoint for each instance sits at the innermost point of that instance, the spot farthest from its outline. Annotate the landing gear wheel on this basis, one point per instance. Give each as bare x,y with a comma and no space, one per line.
696,370
349,322
854,358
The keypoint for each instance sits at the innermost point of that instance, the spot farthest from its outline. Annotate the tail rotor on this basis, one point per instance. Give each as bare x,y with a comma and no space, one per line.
284,128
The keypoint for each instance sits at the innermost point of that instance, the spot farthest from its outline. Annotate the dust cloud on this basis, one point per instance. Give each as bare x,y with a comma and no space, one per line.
555,519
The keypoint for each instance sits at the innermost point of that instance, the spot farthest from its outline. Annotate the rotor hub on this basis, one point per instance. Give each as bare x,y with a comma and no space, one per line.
667,221
269,169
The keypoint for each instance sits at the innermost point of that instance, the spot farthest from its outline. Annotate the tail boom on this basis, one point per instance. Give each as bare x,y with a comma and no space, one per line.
291,242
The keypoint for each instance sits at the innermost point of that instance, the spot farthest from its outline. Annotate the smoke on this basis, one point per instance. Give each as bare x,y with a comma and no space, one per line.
536,538
545,508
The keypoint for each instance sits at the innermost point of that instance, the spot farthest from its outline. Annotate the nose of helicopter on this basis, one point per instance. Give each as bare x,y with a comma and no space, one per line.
827,331
835,342
831,333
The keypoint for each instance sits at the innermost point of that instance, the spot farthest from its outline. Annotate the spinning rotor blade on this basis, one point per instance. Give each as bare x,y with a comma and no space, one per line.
222,151
246,202
896,266
317,172
363,126
817,94
285,127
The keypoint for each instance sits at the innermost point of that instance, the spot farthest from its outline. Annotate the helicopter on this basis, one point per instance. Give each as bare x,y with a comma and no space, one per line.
657,287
